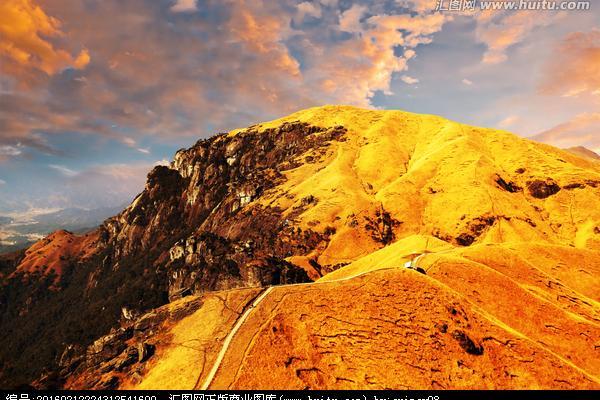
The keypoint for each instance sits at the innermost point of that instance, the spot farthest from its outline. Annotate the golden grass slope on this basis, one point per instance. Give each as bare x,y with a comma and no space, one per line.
436,177
517,308
464,325
394,329
51,254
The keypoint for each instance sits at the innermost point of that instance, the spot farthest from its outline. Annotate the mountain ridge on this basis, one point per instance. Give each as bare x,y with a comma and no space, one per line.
313,196
25,229
584,152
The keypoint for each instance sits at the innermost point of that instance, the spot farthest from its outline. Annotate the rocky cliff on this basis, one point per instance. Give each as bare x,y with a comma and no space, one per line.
191,230
346,197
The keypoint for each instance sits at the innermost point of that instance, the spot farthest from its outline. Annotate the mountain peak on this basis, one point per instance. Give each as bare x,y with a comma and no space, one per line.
583,152
351,117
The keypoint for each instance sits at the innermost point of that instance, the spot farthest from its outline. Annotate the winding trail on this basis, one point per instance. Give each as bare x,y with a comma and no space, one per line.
227,342
229,338
413,265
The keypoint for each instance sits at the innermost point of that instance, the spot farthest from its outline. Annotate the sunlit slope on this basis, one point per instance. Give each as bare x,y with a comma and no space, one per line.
52,254
483,317
190,346
436,177
502,235
391,328
545,294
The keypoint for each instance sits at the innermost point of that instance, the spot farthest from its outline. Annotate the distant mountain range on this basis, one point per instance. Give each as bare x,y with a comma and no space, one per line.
20,232
584,152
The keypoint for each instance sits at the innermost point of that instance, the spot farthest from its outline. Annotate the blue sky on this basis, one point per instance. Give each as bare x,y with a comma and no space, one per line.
94,93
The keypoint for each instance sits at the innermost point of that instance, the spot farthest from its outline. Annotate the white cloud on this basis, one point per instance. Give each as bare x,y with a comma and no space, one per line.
500,31
508,121
418,5
99,185
227,67
409,80
24,40
573,71
30,213
581,130
350,19
128,141
64,170
308,9
467,82
184,6
2,182
6,150
106,185
353,70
